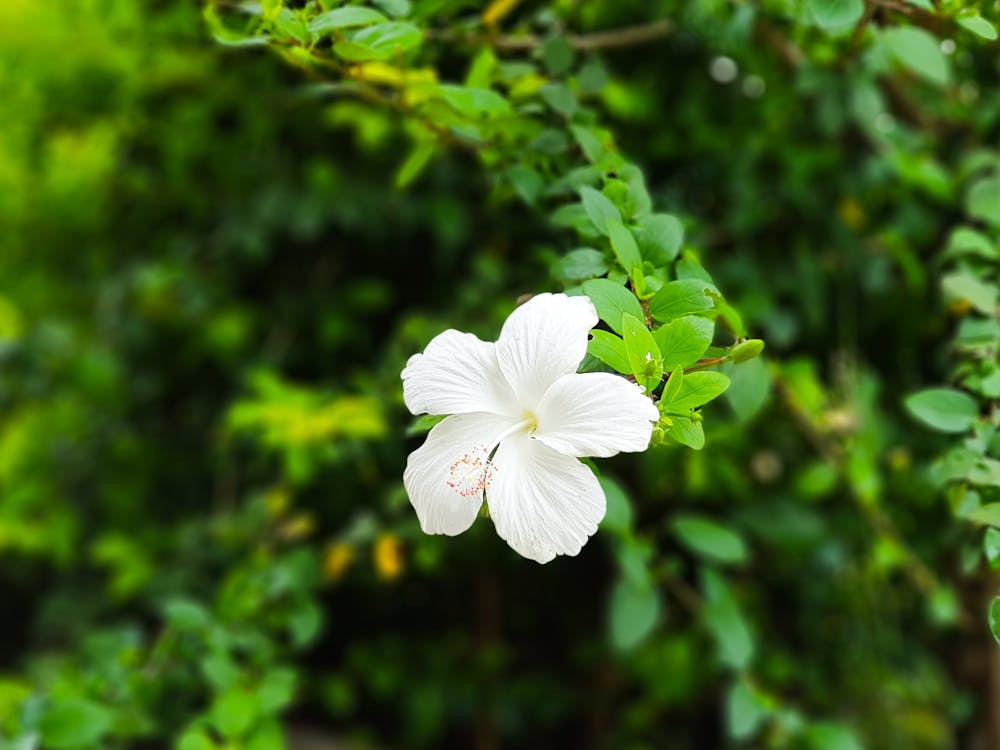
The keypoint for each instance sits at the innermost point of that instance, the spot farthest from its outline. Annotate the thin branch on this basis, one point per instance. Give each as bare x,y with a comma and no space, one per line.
701,364
627,36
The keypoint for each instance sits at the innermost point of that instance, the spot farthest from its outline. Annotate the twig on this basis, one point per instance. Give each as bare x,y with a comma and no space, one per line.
701,364
862,24
627,36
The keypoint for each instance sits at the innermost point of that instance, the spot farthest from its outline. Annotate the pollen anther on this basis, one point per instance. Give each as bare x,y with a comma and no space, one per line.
471,473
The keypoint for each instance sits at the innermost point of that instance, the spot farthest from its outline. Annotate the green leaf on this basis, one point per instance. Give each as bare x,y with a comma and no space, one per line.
725,621
267,737
269,9
582,263
304,623
599,208
557,55
346,17
415,163
983,200
967,241
612,301
559,97
235,712
292,25
978,26
526,182
185,614
618,516
683,341
74,723
610,350
276,690
473,102
749,388
994,618
986,472
979,294
220,670
829,736
635,608
687,431
942,606
588,143
677,298
573,216
482,69
593,76
699,388
731,318
396,8
633,556
551,141
991,547
744,712
14,691
623,244
354,52
643,355
943,409
660,237
836,14
423,424
389,39
673,386
988,515
709,539
918,51
195,739
228,37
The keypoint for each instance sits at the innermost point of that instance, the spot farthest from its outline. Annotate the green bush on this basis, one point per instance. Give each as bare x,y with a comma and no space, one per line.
226,229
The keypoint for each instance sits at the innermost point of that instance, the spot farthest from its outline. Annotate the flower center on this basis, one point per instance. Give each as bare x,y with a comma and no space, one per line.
472,472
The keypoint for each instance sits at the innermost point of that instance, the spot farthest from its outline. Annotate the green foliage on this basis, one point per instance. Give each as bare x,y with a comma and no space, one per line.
836,14
613,302
634,609
707,538
944,409
74,723
994,618
678,298
918,51
683,341
214,269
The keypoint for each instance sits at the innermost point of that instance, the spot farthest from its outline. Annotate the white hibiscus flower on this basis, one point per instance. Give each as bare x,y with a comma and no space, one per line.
521,417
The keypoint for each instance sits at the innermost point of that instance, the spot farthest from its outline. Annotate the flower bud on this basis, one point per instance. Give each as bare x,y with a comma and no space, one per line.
746,350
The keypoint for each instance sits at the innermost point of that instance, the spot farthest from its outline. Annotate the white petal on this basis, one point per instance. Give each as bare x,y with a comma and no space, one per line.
442,478
542,502
456,374
542,339
595,414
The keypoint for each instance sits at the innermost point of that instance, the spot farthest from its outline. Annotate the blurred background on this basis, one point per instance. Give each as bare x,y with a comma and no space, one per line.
210,281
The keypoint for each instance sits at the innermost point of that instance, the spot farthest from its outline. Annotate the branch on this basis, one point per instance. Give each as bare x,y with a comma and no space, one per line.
627,36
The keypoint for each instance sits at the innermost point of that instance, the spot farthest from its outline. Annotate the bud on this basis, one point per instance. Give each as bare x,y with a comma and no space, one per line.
746,350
